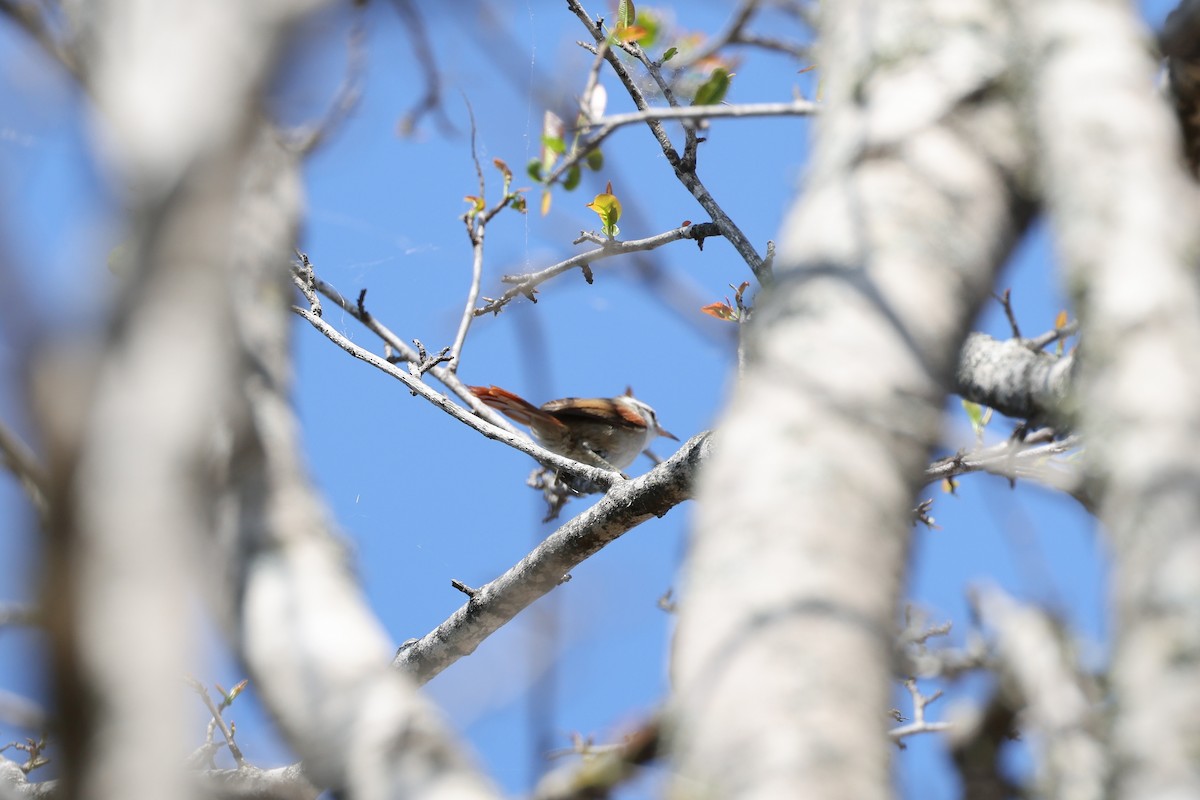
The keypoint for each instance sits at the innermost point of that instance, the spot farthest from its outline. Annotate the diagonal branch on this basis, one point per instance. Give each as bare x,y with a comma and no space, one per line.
310,284
31,17
524,285
600,477
23,464
685,169
626,506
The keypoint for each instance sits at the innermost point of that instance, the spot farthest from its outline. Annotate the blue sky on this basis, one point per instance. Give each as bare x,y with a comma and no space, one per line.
423,499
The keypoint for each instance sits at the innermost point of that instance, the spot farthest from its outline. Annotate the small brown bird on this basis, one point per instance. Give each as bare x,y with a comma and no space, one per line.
605,432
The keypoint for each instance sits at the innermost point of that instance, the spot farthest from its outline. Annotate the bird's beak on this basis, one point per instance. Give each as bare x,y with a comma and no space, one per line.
668,434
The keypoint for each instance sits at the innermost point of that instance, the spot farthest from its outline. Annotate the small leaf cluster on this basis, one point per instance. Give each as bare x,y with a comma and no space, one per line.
554,146
737,311
608,208
509,197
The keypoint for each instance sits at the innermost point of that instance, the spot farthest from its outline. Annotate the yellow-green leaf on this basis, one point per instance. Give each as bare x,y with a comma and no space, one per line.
608,208
236,690
978,415
974,412
713,90
477,205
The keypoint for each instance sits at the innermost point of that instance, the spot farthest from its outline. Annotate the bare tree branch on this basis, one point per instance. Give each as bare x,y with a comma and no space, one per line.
244,783
524,285
918,724
175,87
1031,651
977,743
31,17
1178,42
398,349
318,654
606,126
307,138
624,507
685,170
23,464
603,767
252,783
600,477
1031,460
793,108
735,33
15,784
431,100
1015,379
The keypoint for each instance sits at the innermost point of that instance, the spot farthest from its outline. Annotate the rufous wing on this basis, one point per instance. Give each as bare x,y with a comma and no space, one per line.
510,405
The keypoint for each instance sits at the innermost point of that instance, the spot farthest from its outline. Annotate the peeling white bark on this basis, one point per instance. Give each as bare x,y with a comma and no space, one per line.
1125,215
783,654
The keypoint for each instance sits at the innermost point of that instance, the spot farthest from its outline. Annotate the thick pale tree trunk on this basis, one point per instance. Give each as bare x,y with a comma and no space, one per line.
184,445
1126,218
786,632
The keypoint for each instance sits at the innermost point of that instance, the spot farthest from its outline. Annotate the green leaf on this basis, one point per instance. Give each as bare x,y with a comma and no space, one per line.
554,144
713,90
626,14
974,412
572,179
534,169
651,26
595,160
667,56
